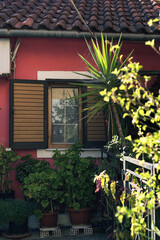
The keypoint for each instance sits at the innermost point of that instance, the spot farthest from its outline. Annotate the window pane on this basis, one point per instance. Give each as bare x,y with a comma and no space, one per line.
56,102
57,133
71,133
64,115
71,92
57,114
58,93
72,115
71,102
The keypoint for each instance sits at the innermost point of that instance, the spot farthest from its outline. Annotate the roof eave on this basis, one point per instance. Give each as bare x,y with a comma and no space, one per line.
75,34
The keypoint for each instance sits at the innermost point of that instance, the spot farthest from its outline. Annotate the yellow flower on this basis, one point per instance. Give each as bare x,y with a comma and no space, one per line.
103,93
150,23
150,43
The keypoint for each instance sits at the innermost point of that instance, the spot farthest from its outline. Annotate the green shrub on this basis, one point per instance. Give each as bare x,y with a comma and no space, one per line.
27,166
16,210
7,158
44,188
77,175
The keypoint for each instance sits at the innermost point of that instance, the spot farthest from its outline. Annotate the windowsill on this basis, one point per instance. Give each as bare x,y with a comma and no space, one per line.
88,152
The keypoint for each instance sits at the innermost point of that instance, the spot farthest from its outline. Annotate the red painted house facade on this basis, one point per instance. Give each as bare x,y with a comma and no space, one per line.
47,47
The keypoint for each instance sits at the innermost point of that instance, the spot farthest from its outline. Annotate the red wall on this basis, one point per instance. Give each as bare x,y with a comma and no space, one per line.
56,55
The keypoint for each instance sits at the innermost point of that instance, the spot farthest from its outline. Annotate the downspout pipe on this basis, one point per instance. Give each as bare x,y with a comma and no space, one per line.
75,34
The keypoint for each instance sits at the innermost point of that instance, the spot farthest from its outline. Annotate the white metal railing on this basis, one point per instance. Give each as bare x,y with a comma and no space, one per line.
130,185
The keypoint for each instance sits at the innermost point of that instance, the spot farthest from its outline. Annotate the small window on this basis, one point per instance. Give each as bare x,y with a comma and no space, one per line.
65,116
43,115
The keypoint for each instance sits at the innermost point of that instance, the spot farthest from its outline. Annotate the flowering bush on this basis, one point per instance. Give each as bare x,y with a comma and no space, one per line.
113,194
144,108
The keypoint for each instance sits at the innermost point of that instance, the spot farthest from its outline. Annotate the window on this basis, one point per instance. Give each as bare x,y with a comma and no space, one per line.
43,115
65,116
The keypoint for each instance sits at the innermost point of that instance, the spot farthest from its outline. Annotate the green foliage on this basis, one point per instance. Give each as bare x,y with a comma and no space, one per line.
111,162
3,219
115,146
28,165
144,109
7,158
114,150
142,201
156,24
44,187
113,196
107,58
16,210
76,176
131,221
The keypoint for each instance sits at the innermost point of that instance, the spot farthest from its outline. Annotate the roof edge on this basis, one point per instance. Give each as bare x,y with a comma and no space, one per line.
75,34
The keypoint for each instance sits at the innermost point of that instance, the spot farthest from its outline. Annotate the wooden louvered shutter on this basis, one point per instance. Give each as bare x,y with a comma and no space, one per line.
28,114
94,130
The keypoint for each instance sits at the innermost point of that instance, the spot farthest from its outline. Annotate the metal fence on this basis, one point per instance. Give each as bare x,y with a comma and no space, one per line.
131,163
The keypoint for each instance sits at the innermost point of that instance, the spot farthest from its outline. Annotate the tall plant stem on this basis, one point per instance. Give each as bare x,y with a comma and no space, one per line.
82,19
51,206
118,123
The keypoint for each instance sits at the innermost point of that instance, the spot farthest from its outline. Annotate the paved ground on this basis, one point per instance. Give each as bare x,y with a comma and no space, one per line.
98,232
97,235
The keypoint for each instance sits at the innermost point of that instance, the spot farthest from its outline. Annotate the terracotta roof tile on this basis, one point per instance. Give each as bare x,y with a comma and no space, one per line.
12,22
18,16
28,22
101,15
77,25
33,16
45,23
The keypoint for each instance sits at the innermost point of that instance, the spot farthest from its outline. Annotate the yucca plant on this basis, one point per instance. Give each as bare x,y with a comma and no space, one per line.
107,60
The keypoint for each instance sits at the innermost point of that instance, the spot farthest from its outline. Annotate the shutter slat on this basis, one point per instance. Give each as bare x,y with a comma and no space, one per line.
28,136
22,140
28,104
26,116
31,108
31,96
28,128
29,124
96,138
24,85
21,88
98,128
19,120
28,132
27,112
27,100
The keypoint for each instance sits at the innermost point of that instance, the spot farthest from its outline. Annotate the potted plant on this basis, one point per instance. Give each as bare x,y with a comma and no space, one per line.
44,188
77,175
3,219
7,158
28,165
16,212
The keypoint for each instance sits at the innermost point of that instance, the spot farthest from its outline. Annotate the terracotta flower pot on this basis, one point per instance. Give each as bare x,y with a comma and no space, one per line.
80,217
6,195
15,228
49,220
